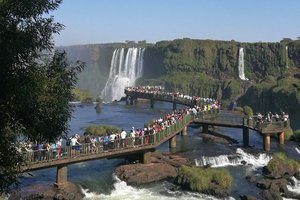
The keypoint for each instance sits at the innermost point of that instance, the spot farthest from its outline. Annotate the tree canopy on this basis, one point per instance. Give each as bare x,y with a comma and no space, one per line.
35,81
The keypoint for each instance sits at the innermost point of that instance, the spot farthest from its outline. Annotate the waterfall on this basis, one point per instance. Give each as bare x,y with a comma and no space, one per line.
234,160
286,57
125,68
241,64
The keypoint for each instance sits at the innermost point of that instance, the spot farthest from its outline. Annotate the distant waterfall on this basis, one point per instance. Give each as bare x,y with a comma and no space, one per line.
241,64
125,68
286,57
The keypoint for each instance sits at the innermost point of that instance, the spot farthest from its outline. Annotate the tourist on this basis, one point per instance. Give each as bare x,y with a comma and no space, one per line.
53,150
123,137
58,147
112,141
75,145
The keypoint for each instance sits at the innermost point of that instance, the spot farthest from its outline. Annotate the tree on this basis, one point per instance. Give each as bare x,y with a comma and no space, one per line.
35,89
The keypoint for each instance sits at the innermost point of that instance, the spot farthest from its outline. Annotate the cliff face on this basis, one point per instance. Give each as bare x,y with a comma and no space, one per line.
97,58
208,68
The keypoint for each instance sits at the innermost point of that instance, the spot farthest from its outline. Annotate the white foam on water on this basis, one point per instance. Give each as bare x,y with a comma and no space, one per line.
297,150
123,191
235,160
294,188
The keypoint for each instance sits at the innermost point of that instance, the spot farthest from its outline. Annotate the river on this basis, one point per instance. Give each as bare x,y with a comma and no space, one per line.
97,178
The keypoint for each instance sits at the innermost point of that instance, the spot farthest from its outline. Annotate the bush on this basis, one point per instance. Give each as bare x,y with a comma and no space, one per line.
279,159
288,134
297,135
239,109
201,179
248,111
100,130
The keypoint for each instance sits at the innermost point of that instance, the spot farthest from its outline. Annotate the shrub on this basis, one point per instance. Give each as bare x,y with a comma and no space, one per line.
100,130
297,135
279,159
248,111
200,179
288,134
239,109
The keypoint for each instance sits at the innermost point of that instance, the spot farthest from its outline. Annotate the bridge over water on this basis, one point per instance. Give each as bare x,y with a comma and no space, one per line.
144,145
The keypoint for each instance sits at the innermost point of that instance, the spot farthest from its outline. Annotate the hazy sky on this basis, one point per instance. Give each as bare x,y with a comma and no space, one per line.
105,21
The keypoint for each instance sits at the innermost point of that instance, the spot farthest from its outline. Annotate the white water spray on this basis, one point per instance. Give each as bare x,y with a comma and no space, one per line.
126,67
295,188
286,57
234,160
241,64
122,191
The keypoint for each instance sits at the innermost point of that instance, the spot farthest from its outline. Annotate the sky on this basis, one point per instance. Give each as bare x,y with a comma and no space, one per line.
107,21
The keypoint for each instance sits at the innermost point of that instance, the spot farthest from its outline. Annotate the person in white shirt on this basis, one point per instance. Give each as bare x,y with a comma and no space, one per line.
123,137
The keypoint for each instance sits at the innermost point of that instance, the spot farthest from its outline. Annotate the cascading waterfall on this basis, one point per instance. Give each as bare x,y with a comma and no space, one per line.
241,64
286,57
126,67
233,160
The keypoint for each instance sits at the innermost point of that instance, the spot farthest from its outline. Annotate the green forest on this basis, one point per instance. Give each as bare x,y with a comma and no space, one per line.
208,68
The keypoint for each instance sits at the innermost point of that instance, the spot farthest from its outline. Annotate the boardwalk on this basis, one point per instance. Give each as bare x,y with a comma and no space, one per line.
147,143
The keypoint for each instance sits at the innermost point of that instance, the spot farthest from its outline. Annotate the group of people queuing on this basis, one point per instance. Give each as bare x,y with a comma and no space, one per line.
140,136
137,136
272,117
40,151
159,90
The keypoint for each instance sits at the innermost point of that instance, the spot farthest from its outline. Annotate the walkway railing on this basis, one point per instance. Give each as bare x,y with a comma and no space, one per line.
266,126
118,145
212,117
165,97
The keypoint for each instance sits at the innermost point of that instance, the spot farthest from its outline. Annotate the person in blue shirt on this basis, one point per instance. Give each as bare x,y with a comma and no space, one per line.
106,141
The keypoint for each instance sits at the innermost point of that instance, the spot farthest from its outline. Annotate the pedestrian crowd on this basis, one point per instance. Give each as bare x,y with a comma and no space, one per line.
272,117
159,90
40,151
132,138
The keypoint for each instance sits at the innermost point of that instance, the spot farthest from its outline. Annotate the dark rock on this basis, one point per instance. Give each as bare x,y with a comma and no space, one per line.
67,191
273,188
212,138
243,162
268,195
247,197
251,179
136,174
264,184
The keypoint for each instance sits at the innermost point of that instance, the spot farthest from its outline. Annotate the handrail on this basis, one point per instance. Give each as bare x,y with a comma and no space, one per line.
164,97
118,145
67,152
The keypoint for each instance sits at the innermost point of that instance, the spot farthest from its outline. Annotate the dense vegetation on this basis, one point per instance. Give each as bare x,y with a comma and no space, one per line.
36,81
205,180
100,130
281,164
210,68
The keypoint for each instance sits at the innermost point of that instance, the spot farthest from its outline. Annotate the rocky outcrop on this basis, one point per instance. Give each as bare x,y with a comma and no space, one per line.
68,191
136,174
247,197
161,167
205,180
213,189
278,175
